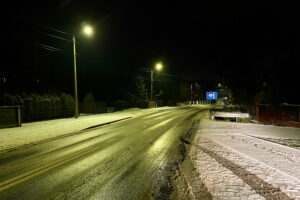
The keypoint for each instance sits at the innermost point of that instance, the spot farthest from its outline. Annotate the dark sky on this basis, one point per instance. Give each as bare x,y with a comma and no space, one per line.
244,44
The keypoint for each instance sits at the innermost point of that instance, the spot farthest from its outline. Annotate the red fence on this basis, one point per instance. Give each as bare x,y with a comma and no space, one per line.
285,114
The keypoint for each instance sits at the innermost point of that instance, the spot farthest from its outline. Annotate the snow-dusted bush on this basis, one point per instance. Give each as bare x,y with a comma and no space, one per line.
121,105
67,105
8,100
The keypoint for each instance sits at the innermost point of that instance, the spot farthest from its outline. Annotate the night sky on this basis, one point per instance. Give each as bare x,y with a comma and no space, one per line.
247,45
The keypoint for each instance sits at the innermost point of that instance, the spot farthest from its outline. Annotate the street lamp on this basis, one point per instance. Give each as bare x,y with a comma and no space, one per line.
88,30
158,67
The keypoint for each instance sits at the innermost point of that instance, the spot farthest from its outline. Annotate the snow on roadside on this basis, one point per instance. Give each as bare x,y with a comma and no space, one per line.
222,183
260,130
37,131
225,154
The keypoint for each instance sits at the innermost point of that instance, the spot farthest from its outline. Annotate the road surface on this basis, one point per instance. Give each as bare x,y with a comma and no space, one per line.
126,160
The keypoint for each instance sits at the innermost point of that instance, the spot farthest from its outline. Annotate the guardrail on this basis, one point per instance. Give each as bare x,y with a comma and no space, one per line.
236,116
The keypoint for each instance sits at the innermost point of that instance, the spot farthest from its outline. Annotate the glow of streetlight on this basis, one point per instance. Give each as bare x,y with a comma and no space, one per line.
88,30
158,66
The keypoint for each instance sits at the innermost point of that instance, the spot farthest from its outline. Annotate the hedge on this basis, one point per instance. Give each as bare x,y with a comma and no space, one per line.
35,107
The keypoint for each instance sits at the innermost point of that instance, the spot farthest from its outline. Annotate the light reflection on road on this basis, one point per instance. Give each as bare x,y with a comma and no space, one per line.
120,161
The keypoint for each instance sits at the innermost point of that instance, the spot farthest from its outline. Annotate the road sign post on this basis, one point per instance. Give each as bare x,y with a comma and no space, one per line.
211,96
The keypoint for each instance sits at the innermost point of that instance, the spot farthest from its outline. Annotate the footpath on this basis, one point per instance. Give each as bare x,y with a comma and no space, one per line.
38,131
247,161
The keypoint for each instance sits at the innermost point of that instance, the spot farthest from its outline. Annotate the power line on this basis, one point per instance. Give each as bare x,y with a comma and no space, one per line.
51,35
143,69
163,74
47,46
48,49
169,75
53,49
47,27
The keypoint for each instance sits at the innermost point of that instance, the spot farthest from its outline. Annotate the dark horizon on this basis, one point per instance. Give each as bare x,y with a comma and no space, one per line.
249,47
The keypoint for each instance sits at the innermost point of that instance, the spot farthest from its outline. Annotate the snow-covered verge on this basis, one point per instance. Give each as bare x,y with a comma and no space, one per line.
245,161
42,130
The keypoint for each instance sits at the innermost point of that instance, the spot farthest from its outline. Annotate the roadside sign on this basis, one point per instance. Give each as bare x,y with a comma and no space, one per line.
211,95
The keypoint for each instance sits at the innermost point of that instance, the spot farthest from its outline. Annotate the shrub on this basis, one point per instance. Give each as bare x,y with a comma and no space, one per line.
67,105
8,100
131,99
121,105
38,107
89,98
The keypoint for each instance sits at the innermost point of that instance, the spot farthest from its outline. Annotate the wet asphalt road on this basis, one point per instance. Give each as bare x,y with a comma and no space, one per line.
125,160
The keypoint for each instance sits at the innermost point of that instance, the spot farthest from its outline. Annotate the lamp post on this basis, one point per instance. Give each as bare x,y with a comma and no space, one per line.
88,31
75,78
158,67
191,93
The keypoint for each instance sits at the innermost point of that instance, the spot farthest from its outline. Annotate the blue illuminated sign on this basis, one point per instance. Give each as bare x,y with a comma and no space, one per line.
211,95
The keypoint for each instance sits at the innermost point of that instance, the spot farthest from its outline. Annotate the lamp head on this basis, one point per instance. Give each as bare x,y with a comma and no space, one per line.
88,30
158,66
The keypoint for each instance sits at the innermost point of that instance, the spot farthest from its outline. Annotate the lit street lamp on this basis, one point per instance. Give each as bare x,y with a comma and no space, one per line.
158,67
88,30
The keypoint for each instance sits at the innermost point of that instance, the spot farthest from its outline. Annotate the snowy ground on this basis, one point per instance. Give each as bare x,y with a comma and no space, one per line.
43,130
247,161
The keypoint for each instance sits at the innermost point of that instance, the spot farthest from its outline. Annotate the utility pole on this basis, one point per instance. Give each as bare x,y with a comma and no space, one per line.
88,30
75,79
191,93
151,88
